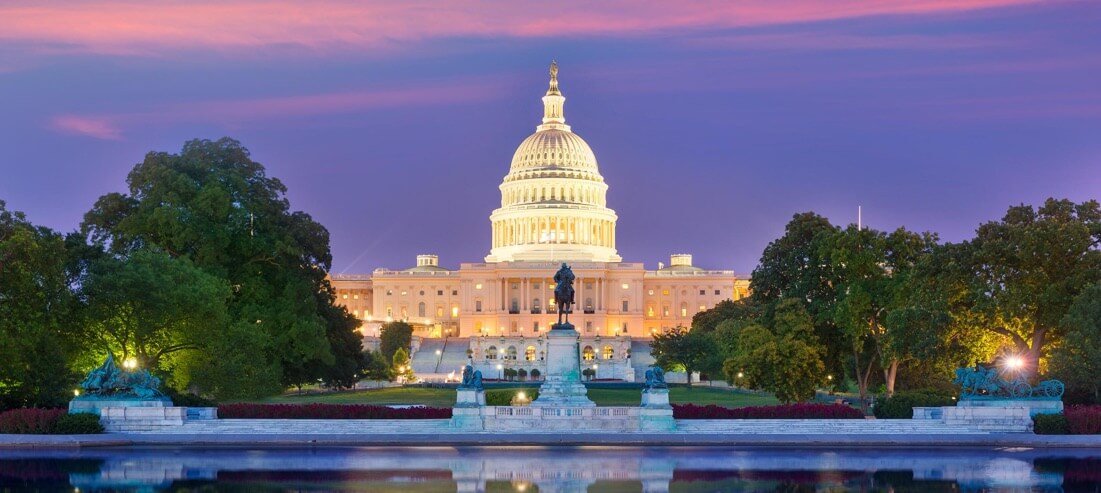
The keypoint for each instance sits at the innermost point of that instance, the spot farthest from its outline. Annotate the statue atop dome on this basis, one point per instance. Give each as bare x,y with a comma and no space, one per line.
554,78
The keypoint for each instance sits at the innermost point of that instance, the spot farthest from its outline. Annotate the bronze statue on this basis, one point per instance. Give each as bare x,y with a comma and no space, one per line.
563,294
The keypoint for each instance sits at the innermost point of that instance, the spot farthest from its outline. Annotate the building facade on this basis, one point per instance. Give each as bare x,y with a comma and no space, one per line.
553,210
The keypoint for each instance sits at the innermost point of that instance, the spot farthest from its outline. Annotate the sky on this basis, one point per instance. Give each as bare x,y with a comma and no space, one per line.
713,122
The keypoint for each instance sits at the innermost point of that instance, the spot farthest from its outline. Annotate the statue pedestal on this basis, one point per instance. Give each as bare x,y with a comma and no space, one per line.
656,413
470,397
562,386
1035,406
90,405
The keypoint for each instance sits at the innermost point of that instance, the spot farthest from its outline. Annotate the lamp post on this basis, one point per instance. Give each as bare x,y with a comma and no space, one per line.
500,372
596,372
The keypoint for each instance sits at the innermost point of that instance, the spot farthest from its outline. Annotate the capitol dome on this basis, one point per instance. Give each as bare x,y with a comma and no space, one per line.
553,198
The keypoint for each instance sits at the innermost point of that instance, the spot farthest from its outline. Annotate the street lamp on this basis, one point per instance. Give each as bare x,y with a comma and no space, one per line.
500,371
596,372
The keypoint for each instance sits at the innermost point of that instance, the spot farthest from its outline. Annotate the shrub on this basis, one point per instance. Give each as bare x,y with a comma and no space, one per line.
782,411
1050,424
902,404
1083,420
503,397
30,420
535,373
189,400
78,424
329,411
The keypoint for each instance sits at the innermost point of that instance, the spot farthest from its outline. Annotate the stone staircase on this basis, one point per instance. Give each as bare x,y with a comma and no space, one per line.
424,360
823,426
305,426
641,359
454,355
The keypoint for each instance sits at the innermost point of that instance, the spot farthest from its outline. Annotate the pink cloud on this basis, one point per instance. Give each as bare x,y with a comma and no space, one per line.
144,27
828,41
98,127
231,112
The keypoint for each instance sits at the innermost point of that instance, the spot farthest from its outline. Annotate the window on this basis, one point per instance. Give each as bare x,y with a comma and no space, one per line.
515,306
515,286
702,292
345,296
355,313
536,307
439,311
609,353
355,296
529,353
389,292
535,326
512,327
478,306
702,308
422,292
389,311
625,304
535,286
404,312
588,354
478,286
625,286
454,311
454,292
665,311
624,328
405,293
684,309
439,292
650,292
511,354
649,311
588,326
716,292
665,292
588,305
420,309
491,353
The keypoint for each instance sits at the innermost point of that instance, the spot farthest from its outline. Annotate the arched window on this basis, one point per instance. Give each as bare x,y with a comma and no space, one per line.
420,309
588,354
588,304
535,306
609,353
515,308
511,354
529,353
491,353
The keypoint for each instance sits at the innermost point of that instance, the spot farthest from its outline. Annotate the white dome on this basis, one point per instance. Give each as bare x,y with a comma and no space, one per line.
553,204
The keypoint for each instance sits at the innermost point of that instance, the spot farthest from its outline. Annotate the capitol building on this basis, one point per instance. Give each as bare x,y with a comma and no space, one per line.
494,313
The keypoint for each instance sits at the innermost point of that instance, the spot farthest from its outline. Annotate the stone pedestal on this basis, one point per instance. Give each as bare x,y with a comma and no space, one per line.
470,397
467,413
1035,406
562,386
656,413
95,406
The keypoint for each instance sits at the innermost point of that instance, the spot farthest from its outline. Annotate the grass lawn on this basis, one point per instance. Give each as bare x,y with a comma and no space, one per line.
602,397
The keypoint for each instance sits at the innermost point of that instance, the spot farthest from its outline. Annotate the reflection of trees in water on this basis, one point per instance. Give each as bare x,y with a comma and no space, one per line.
1079,474
36,473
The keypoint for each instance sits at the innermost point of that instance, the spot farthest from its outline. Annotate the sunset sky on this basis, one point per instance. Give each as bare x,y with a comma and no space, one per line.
392,123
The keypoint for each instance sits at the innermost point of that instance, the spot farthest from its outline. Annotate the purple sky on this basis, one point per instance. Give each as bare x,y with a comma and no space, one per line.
713,122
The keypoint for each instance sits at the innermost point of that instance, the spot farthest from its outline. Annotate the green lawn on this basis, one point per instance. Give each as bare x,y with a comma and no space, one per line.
602,397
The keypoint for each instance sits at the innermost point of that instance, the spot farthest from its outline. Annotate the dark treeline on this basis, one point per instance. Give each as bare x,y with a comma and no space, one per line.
875,311
200,272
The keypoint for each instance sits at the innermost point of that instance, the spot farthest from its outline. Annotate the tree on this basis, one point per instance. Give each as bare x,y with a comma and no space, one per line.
682,348
784,360
375,366
1024,272
149,306
792,267
400,365
535,374
37,340
522,373
393,336
709,320
215,206
872,267
1077,361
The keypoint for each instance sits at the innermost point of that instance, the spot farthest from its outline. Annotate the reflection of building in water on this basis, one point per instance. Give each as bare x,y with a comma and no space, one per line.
569,469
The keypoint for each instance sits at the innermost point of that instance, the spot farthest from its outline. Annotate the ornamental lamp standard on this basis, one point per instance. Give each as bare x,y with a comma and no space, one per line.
500,371
596,372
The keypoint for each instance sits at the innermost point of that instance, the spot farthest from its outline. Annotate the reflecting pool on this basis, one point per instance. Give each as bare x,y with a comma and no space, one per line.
549,469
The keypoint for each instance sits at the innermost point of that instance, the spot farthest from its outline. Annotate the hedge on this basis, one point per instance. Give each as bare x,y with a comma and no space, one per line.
503,397
1083,420
329,411
35,421
782,411
901,405
1049,424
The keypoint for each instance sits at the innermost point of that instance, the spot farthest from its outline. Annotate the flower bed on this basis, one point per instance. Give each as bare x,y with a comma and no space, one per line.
329,411
783,411
1083,420
35,421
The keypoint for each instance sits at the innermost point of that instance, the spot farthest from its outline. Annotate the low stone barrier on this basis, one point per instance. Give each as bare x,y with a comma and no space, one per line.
535,418
991,419
129,419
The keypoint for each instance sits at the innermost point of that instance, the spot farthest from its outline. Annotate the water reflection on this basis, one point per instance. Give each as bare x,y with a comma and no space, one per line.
541,469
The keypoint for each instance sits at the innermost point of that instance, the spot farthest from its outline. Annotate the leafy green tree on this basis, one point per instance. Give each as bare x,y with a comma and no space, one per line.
683,348
1024,272
37,339
393,336
784,360
792,266
149,306
375,366
215,206
1077,360
400,365
709,320
872,268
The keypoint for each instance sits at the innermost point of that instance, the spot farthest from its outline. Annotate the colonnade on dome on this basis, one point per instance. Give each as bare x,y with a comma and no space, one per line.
558,230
